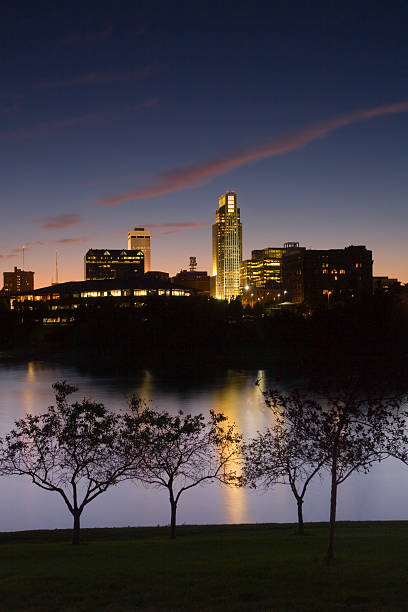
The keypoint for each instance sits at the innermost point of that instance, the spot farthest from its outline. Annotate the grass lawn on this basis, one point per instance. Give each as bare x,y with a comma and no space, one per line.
242,567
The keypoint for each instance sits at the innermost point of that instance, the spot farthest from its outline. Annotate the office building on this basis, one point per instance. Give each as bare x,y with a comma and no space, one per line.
227,247
193,278
139,240
264,269
105,264
384,283
324,276
17,281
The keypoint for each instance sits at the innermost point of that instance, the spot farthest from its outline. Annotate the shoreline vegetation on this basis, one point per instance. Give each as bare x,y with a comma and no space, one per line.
209,567
370,336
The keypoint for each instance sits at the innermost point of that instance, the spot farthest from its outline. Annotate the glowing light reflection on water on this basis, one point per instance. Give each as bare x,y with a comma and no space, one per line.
380,495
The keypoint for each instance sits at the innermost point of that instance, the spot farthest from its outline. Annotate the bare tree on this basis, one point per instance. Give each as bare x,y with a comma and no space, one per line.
285,453
346,432
353,430
185,451
76,450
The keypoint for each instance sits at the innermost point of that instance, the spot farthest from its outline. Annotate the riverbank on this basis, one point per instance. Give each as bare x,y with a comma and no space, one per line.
226,567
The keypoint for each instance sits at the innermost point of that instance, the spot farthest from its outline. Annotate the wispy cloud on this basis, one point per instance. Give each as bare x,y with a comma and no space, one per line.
88,37
175,228
11,95
183,225
201,173
99,77
46,128
49,127
72,240
60,221
9,101
28,245
8,107
10,254
19,250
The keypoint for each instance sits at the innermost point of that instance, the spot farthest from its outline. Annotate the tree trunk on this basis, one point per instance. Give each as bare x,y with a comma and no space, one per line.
333,505
173,520
301,527
77,527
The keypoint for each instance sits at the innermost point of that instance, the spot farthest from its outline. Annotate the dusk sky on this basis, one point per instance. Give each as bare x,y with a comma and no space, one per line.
122,114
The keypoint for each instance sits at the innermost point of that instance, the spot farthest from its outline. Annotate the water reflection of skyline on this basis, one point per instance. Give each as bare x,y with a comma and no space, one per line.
381,495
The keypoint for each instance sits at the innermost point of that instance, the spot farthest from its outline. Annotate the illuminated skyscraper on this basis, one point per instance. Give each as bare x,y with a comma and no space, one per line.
139,240
227,247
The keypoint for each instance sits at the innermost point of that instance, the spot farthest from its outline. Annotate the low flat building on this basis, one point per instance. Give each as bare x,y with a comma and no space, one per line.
323,276
195,279
109,264
384,283
157,275
59,303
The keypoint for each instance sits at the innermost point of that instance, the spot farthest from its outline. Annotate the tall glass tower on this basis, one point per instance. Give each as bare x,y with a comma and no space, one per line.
227,247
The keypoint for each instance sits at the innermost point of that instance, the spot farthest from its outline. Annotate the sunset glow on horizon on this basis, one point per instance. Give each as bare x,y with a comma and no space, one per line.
144,117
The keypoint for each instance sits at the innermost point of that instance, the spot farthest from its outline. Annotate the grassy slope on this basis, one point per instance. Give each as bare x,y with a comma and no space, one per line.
247,567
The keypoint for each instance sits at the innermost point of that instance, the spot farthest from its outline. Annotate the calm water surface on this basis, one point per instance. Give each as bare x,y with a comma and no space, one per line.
380,495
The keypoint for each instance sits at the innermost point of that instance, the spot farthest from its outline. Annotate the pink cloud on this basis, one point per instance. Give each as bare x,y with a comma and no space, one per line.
60,221
34,244
179,226
88,37
48,127
201,173
11,95
72,240
100,77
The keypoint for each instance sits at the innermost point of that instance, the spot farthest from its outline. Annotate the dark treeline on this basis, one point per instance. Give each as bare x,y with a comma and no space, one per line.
106,336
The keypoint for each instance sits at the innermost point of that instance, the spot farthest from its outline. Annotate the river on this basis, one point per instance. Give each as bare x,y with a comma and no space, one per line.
380,495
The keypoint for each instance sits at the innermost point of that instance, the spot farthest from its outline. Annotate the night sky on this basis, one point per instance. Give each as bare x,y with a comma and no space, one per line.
122,114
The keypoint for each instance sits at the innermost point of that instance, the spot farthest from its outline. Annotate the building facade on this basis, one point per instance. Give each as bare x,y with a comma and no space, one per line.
139,240
324,276
227,247
61,303
384,283
108,264
264,269
17,281
195,279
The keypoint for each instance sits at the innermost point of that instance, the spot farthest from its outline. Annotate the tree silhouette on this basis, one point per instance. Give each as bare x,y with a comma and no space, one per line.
185,451
76,450
285,453
347,431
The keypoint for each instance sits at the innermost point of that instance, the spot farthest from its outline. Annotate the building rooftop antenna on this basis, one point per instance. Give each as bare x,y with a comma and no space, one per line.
23,247
193,264
56,266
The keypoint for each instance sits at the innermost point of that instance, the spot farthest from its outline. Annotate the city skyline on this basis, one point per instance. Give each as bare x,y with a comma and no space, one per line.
165,229
112,121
